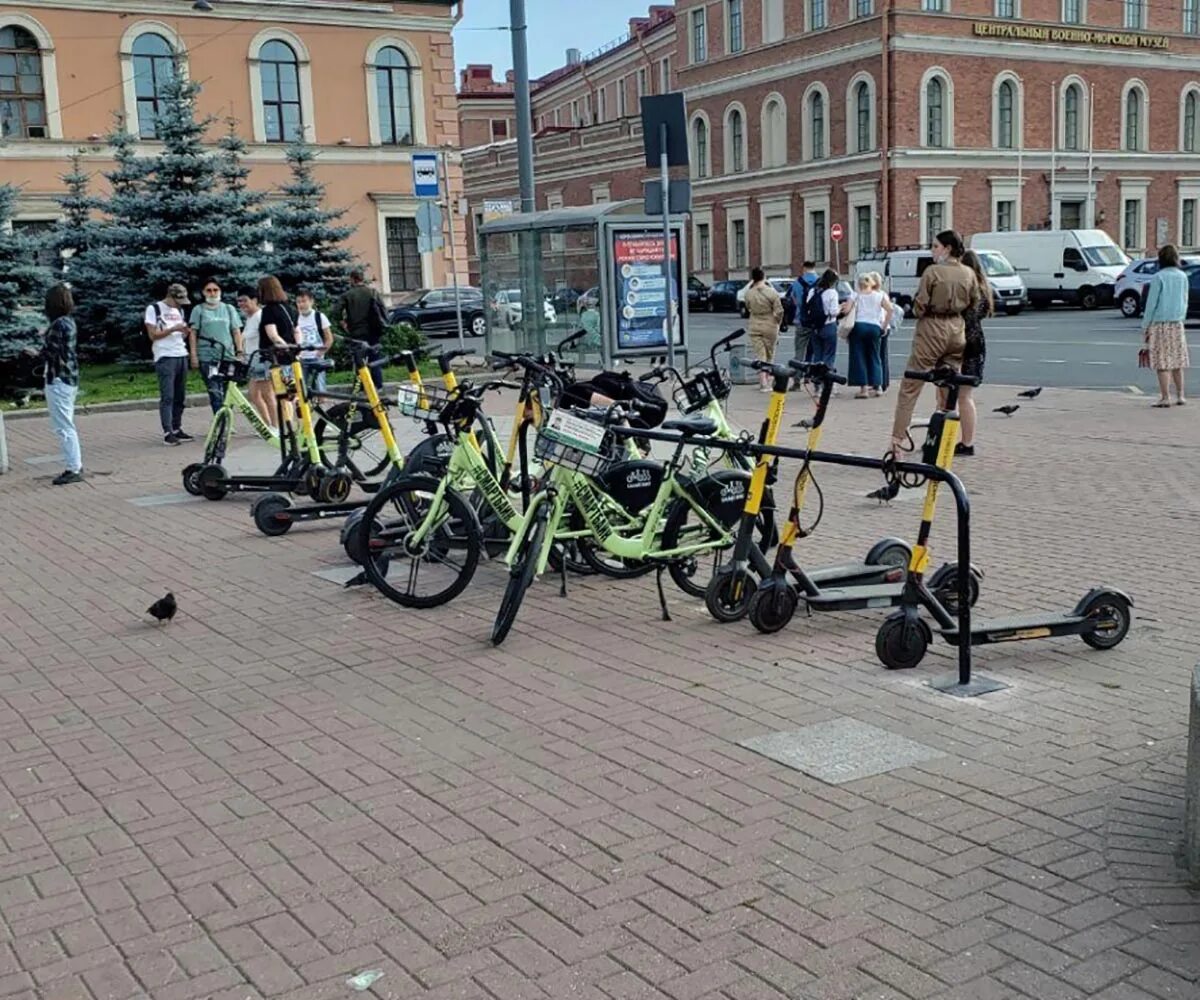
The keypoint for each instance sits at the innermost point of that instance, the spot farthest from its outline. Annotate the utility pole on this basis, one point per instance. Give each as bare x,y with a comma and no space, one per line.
532,309
451,207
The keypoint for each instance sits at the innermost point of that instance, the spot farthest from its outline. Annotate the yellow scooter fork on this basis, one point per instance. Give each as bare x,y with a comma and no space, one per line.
919,561
303,409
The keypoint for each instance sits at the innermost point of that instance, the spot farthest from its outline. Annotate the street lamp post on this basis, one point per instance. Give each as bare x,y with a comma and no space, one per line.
532,309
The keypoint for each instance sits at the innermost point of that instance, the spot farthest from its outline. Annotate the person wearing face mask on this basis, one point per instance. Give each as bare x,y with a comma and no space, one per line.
214,335
947,290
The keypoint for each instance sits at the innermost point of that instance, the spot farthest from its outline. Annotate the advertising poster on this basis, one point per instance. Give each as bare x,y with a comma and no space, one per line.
641,290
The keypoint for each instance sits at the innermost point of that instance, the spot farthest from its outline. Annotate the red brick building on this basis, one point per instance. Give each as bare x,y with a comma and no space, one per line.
893,118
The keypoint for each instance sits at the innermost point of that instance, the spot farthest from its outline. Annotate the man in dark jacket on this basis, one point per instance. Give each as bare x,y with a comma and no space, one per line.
360,314
799,293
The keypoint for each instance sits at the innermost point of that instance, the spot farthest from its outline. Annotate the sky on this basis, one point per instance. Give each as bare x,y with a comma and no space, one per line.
554,27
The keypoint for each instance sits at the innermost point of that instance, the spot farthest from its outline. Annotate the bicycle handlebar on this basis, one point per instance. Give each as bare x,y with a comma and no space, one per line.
944,377
570,339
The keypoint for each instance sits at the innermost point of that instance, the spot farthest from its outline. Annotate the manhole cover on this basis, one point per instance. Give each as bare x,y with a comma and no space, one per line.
841,750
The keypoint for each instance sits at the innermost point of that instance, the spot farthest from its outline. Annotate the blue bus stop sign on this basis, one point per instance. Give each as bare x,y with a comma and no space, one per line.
425,175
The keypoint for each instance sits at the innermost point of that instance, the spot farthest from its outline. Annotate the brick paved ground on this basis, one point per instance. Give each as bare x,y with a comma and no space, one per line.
294,784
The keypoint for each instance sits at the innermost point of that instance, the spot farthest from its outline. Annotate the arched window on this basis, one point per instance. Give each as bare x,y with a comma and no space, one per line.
1005,112
153,66
1071,103
283,117
737,140
816,115
862,117
22,89
1189,121
700,144
1133,126
393,85
774,133
935,112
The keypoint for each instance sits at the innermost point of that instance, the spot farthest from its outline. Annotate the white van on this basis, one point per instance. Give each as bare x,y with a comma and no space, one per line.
1008,290
1076,266
901,270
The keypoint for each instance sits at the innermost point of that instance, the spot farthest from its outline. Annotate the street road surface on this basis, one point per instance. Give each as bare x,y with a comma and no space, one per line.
1063,347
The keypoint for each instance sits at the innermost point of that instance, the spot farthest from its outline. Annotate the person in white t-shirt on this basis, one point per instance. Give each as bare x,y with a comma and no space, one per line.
167,328
259,391
315,336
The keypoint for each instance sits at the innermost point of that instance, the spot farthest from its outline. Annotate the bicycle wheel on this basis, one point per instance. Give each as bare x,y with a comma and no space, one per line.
218,438
428,572
692,574
366,455
520,576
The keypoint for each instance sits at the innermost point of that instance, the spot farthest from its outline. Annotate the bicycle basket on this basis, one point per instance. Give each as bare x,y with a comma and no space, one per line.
578,444
230,369
425,403
706,387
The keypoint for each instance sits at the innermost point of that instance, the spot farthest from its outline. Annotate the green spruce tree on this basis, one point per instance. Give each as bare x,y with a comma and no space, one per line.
306,239
245,210
78,230
23,281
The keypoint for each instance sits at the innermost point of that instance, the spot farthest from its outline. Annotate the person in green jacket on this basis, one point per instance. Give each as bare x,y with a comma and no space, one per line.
214,335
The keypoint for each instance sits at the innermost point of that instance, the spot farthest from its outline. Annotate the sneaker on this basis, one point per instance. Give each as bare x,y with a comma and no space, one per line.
63,478
964,449
183,436
171,438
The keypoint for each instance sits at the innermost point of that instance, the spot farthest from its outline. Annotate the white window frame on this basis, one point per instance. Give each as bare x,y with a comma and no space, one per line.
772,18
935,6
856,15
1134,189
774,206
860,194
1142,8
576,121
1018,110
932,189
729,49
806,136
1007,188
601,105
1189,88
1188,190
1016,14
45,44
816,200
397,207
125,52
643,82
698,14
558,241
727,149
308,109
703,217
1144,119
777,143
623,97
664,75
693,153
738,211
1195,18
416,86
947,108
1084,113
601,193
808,16
852,115
1082,12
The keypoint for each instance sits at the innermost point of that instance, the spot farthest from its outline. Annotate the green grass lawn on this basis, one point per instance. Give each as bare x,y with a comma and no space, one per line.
112,383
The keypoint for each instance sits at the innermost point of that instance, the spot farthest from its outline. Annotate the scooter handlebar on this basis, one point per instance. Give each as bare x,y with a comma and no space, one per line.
818,372
944,377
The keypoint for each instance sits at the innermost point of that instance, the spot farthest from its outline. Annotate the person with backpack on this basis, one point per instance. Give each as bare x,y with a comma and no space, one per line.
315,336
214,335
805,318
361,315
167,329
824,308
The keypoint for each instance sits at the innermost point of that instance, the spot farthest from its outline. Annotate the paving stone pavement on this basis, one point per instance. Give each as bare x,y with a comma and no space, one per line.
293,784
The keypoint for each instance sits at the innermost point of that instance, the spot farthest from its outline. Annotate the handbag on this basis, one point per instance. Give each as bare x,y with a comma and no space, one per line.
846,323
1144,358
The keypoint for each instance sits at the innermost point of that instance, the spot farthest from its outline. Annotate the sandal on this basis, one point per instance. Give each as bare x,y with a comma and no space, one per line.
1162,404
1181,402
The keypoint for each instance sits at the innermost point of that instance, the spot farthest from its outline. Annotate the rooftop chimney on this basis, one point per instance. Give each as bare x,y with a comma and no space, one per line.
574,57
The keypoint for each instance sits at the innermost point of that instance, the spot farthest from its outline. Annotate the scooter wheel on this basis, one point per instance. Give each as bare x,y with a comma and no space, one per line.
890,552
944,584
211,480
728,595
191,478
899,643
314,479
335,486
772,607
1114,619
349,536
266,511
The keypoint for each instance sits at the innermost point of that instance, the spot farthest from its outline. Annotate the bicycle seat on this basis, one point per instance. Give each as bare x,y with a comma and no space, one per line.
692,426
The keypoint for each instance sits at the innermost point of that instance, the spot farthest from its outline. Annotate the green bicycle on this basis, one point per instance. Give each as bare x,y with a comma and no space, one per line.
688,518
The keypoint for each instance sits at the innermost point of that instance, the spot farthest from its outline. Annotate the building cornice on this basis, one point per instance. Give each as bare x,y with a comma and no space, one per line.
784,70
330,12
62,150
1071,57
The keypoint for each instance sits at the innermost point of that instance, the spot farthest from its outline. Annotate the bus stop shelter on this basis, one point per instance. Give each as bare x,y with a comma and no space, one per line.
592,267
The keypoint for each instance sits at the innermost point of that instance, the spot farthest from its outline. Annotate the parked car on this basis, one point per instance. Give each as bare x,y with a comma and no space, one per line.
781,285
508,308
1008,290
1192,269
566,300
697,294
1076,266
432,310
1135,279
723,296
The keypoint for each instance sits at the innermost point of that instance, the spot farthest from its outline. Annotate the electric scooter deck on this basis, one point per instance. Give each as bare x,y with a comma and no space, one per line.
1089,617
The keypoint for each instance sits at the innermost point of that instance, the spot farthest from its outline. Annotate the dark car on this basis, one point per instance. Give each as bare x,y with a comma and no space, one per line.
565,299
722,296
433,311
1193,310
697,294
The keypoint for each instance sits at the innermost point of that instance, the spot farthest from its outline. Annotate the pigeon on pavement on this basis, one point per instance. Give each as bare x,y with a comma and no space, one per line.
1008,411
1031,393
164,608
